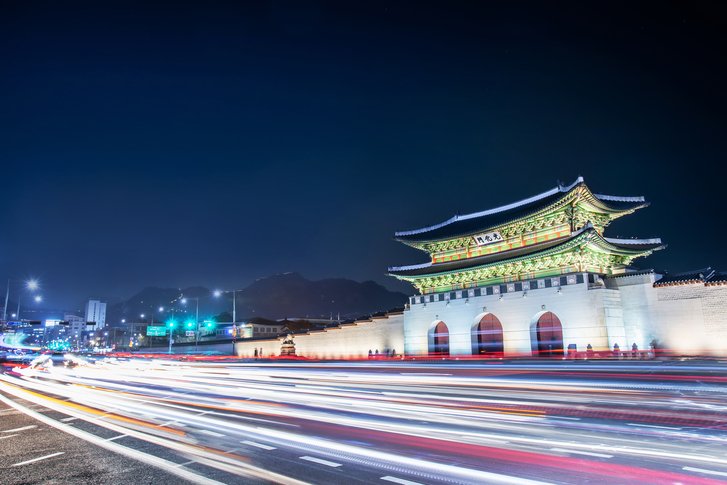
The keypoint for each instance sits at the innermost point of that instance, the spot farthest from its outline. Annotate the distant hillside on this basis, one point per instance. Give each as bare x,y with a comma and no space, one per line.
291,295
274,297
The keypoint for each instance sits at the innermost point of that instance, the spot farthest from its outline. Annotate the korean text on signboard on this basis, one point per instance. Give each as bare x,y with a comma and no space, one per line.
488,238
156,331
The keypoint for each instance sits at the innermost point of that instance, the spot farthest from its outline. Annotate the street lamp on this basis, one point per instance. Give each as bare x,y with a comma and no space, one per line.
171,324
218,293
196,319
30,285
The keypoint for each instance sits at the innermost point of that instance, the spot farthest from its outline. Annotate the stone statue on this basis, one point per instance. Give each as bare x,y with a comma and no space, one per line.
288,347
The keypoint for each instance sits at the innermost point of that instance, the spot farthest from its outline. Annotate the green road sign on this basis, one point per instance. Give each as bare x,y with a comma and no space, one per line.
156,331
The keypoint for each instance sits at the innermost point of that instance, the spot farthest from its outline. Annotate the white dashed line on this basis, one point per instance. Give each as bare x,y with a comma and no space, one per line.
702,470
652,426
318,460
66,420
587,453
252,443
399,480
117,437
39,458
211,433
20,429
8,436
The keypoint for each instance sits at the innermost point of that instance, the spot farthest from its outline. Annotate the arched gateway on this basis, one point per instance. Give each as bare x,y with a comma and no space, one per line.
439,339
548,333
487,338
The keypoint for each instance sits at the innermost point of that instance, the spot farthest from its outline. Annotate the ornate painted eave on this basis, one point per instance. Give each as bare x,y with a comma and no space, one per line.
628,249
463,226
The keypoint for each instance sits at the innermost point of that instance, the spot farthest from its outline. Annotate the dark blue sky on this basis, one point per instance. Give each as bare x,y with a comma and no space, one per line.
182,145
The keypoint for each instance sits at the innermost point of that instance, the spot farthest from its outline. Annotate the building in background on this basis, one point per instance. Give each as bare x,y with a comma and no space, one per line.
257,330
76,327
96,312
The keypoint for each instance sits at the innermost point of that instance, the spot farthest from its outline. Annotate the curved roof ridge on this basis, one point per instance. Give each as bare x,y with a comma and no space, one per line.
653,240
619,198
410,266
503,208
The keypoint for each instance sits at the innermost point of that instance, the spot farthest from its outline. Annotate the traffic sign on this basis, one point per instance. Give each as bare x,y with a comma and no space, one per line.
156,331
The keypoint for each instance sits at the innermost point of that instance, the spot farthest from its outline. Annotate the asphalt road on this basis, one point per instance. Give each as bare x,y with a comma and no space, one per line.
33,452
373,422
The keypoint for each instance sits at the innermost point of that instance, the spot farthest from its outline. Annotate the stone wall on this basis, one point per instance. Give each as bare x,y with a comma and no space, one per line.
692,318
348,341
586,314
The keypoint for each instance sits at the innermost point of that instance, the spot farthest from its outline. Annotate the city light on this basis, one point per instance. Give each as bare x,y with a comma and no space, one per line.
32,284
161,308
217,293
183,301
38,298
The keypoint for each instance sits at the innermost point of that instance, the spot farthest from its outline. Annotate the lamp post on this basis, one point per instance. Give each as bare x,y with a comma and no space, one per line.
219,293
196,318
171,326
31,285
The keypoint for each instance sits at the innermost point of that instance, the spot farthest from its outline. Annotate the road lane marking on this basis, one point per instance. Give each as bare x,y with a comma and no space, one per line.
264,447
702,470
211,433
652,426
39,458
66,420
117,437
20,429
8,436
322,462
109,445
587,453
399,480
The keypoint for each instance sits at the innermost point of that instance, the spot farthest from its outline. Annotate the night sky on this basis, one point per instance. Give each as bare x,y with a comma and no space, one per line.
179,145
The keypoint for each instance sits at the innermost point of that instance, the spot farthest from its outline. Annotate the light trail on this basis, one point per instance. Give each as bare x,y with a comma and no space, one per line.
467,424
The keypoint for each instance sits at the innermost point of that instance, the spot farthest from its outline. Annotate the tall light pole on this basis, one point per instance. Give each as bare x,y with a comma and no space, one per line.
196,319
171,324
31,285
219,293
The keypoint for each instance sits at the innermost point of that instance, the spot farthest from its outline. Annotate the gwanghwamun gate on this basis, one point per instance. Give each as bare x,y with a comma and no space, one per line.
536,277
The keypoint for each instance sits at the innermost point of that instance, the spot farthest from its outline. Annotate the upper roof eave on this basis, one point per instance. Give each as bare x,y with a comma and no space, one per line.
517,210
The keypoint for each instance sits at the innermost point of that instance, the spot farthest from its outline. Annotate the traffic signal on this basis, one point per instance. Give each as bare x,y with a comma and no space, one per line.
171,323
189,324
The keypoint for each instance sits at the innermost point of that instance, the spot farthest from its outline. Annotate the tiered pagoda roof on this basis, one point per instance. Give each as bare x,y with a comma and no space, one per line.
555,232
477,222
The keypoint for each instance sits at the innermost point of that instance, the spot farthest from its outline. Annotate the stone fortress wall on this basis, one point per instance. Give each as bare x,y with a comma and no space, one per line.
346,341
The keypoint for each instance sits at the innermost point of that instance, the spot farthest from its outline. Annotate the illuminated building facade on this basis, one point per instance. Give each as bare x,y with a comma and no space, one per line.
539,276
